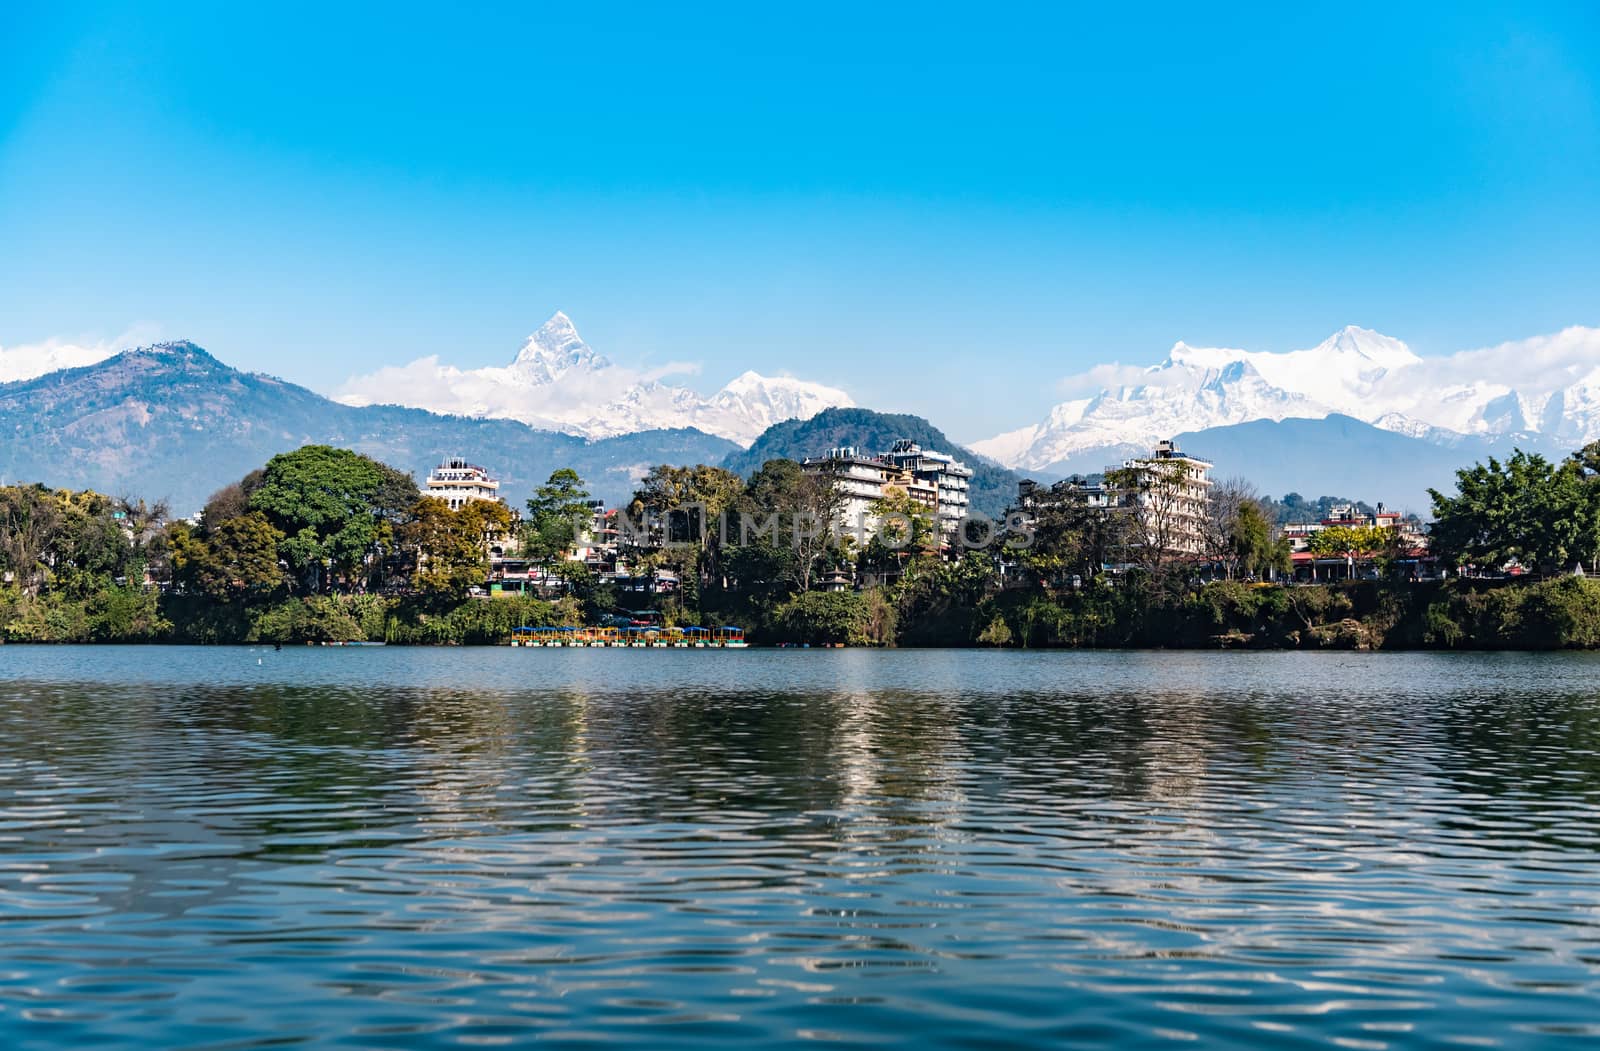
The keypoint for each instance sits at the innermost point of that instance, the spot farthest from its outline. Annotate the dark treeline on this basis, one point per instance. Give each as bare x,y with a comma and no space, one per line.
323,544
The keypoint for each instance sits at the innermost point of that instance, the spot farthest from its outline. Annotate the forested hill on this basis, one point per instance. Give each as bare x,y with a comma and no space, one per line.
993,486
172,422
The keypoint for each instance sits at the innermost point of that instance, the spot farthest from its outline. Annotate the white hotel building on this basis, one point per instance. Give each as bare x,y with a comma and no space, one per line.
458,482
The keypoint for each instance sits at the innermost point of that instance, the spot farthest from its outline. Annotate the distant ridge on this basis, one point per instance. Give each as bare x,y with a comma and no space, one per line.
1336,454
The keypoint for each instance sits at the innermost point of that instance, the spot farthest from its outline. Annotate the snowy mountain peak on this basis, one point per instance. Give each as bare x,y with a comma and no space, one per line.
761,401
1184,355
747,380
1548,385
1195,388
1363,343
554,350
558,381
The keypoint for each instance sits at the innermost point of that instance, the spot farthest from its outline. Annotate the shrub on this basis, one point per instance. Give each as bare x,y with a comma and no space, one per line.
821,618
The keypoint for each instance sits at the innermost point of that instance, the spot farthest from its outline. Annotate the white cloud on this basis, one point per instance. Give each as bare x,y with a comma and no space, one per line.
558,382
1103,377
25,361
1533,366
494,391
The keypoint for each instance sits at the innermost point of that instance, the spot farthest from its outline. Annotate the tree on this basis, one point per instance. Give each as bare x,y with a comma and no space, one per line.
451,546
1350,541
334,507
1220,524
688,503
1527,510
557,514
230,501
825,618
1167,505
786,526
1072,536
235,561
89,549
30,518
144,526
1252,549
692,498
907,534
74,543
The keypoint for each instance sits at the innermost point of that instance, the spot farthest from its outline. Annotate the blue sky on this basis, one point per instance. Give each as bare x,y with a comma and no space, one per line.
941,209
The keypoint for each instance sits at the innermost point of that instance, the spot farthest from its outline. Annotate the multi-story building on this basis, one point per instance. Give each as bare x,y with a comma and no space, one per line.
1170,492
1033,497
457,482
951,478
862,481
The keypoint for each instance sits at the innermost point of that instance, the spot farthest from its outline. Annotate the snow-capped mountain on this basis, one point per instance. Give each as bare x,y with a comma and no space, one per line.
552,352
1547,386
558,382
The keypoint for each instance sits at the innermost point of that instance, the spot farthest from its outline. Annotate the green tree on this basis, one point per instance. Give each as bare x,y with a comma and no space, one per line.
1069,536
236,561
820,617
689,504
906,538
89,549
334,508
1251,546
557,514
786,528
692,499
1527,510
30,518
451,546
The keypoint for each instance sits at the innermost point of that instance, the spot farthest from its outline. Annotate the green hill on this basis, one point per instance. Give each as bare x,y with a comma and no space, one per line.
993,486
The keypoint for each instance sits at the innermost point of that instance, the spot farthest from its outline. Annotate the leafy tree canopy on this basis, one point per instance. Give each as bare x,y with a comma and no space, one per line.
331,505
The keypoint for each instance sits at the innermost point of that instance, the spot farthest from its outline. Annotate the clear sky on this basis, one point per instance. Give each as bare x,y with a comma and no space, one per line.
940,209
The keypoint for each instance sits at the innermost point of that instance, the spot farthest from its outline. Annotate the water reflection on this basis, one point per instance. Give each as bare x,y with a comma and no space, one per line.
900,848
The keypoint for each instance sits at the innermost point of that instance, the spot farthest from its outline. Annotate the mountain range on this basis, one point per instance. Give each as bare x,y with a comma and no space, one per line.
172,422
1542,393
558,382
1359,414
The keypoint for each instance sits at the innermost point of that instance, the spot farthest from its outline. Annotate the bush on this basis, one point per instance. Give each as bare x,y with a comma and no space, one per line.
822,618
1439,628
127,614
998,633
478,621
321,618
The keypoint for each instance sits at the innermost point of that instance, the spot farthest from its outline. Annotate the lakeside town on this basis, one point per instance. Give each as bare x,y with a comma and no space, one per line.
1168,494
849,546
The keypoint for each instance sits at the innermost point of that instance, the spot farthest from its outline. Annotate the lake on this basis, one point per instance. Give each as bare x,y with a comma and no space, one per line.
407,848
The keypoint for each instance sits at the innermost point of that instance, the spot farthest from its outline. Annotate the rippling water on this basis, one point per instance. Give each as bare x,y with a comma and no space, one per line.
416,848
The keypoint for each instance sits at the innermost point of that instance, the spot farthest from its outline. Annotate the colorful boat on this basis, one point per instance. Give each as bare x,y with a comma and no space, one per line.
726,637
